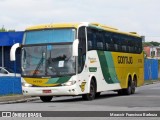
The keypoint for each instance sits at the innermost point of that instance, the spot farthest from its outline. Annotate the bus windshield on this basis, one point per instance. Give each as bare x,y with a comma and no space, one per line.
48,60
49,36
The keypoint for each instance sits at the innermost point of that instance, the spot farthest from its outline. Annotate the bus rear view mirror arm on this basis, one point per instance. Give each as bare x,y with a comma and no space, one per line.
75,47
13,51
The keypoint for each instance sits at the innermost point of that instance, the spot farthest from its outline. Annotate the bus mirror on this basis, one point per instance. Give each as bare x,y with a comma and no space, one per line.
75,47
13,51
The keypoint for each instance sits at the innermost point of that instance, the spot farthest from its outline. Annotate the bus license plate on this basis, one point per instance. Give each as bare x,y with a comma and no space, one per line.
47,91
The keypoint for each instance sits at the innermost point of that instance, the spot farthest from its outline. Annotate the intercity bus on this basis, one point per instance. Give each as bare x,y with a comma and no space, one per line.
85,59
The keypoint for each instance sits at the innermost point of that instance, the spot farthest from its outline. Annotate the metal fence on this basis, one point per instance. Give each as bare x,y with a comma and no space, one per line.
10,85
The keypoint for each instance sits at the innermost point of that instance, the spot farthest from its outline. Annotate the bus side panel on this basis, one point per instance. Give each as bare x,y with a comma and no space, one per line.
128,64
140,82
99,64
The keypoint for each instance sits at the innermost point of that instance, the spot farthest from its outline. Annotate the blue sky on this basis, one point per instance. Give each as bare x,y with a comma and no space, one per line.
141,16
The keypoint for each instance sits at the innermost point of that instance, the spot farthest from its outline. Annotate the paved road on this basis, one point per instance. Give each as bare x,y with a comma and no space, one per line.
146,98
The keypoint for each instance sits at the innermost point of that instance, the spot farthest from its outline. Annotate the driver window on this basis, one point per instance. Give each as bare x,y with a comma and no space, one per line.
82,48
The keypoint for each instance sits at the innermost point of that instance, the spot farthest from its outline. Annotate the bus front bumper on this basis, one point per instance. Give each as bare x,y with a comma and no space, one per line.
50,91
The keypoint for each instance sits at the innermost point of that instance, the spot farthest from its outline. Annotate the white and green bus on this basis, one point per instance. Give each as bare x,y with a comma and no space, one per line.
85,59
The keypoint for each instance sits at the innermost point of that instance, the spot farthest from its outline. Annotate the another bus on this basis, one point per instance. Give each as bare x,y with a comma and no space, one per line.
80,59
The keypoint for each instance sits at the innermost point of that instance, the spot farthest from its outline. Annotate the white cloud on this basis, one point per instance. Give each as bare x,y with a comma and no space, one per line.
141,16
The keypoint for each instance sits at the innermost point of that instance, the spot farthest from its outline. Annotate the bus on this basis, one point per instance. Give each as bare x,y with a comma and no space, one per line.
71,59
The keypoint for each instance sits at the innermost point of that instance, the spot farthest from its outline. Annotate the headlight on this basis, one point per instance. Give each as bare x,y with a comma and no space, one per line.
26,84
69,83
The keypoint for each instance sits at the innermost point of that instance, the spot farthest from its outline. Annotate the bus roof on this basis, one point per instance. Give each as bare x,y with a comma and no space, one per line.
112,29
76,25
55,25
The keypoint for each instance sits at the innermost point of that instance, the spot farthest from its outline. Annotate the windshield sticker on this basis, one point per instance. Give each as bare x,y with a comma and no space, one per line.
61,64
49,47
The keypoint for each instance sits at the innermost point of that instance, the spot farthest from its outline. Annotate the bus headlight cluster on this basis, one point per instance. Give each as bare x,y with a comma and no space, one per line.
69,83
26,84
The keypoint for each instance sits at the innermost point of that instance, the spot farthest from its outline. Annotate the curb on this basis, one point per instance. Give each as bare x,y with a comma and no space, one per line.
153,82
20,100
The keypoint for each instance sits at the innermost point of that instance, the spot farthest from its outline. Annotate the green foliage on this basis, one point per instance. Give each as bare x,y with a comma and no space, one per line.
3,29
151,44
146,44
155,43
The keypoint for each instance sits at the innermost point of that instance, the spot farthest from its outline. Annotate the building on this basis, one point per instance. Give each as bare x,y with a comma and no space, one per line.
152,52
7,39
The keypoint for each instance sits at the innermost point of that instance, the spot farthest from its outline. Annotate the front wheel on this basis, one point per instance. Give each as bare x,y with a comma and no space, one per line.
46,98
98,94
91,95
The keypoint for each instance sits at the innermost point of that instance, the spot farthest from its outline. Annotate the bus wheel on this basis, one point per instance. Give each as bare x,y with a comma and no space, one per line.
120,92
128,90
97,94
92,94
46,98
133,87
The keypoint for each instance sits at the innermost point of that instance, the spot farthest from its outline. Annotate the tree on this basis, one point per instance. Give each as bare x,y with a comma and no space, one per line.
3,29
145,44
155,43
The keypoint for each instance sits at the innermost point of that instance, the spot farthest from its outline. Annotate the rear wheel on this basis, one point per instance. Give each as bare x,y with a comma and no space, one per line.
120,92
127,91
133,87
46,98
91,95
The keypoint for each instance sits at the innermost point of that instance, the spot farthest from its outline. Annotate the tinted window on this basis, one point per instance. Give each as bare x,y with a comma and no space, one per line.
109,41
82,48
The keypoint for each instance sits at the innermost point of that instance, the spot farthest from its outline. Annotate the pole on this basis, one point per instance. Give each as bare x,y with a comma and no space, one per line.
2,56
15,68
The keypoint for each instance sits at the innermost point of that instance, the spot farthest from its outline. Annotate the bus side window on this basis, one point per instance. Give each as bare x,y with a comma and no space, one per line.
99,39
139,45
90,39
108,42
130,46
124,48
124,45
100,45
90,45
115,43
127,44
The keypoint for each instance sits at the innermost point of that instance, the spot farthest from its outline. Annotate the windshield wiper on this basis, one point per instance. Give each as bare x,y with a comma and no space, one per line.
39,65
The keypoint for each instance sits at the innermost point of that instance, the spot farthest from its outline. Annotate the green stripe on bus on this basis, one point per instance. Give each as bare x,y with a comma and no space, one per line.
107,67
58,80
111,67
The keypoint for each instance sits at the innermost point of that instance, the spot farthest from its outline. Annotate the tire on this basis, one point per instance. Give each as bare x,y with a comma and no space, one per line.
46,98
128,90
97,94
120,92
92,94
133,87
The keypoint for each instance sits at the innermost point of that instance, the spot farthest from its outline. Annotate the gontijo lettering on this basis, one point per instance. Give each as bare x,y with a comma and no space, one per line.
125,60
